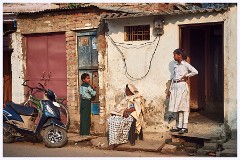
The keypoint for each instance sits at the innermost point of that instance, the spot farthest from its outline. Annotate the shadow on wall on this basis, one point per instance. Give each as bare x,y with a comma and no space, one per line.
169,116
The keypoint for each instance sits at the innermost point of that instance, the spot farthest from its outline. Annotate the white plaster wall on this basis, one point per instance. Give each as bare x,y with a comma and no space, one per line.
18,65
230,68
152,87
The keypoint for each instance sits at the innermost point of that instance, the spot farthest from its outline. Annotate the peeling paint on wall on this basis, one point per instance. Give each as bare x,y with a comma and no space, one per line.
152,87
18,65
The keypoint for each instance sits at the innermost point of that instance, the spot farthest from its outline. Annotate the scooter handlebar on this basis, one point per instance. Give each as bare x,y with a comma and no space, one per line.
42,87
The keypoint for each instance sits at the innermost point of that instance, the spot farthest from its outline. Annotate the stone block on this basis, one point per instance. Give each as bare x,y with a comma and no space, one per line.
210,146
143,145
191,149
229,153
202,151
232,144
189,144
169,149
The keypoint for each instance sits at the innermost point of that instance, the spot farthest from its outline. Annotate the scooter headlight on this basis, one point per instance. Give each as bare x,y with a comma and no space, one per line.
49,109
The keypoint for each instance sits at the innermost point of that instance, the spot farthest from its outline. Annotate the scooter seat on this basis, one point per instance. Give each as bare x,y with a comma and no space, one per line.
23,110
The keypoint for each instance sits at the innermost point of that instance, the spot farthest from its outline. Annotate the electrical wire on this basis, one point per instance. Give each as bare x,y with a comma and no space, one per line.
125,64
140,45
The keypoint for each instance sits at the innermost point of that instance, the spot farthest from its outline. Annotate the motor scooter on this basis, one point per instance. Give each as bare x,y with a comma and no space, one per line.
49,127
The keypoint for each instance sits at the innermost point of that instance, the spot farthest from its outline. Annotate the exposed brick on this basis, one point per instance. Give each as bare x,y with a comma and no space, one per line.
65,21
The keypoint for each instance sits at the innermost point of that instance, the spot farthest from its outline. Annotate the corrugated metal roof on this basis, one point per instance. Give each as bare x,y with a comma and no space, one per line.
83,5
58,9
129,12
166,12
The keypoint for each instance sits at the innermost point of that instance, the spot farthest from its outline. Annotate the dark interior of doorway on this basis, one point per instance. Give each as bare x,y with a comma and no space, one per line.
204,45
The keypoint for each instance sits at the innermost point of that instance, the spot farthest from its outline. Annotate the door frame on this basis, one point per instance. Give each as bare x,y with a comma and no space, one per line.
91,70
181,44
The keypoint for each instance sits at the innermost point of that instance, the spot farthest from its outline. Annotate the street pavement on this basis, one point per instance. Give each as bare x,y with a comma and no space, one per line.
29,149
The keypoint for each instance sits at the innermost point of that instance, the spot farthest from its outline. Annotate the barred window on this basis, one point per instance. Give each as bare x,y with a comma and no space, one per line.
137,33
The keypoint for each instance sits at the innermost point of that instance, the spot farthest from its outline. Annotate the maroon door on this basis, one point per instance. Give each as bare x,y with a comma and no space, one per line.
46,62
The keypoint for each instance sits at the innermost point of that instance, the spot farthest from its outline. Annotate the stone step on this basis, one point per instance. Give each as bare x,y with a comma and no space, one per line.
142,145
195,135
231,144
168,149
209,129
210,146
160,136
229,153
204,131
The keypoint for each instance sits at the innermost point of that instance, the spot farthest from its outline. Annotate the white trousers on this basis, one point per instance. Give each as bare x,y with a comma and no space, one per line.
182,119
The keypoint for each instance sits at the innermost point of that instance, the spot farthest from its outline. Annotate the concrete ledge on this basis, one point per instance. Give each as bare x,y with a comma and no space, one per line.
142,145
75,138
194,135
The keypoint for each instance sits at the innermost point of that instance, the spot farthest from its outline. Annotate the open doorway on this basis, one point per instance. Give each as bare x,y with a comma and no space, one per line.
7,71
204,45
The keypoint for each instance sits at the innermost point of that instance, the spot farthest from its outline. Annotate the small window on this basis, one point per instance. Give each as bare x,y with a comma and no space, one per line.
137,33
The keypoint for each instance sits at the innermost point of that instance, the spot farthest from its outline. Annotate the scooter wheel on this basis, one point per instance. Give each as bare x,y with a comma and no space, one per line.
54,137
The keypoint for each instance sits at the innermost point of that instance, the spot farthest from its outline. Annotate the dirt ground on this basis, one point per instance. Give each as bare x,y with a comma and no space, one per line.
29,149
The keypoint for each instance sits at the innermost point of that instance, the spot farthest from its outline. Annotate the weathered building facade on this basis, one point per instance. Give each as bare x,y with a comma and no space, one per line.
35,36
207,35
116,58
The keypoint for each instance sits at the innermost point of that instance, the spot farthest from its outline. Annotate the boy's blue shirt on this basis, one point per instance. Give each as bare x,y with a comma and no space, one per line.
86,91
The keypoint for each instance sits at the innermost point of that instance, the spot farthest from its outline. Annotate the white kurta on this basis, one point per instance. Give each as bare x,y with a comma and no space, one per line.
179,98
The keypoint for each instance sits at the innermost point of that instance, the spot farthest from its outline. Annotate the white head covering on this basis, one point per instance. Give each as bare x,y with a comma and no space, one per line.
132,88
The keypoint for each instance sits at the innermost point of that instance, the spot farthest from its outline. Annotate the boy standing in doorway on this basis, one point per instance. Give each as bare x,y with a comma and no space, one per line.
86,95
179,97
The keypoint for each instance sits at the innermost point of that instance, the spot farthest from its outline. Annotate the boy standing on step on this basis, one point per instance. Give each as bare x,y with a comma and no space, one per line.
86,94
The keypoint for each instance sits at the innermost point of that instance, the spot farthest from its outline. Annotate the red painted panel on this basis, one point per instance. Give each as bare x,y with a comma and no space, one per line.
46,62
59,87
57,70
57,56
36,56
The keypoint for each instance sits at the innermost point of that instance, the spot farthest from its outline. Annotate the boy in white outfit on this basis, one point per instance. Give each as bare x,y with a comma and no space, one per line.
178,92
